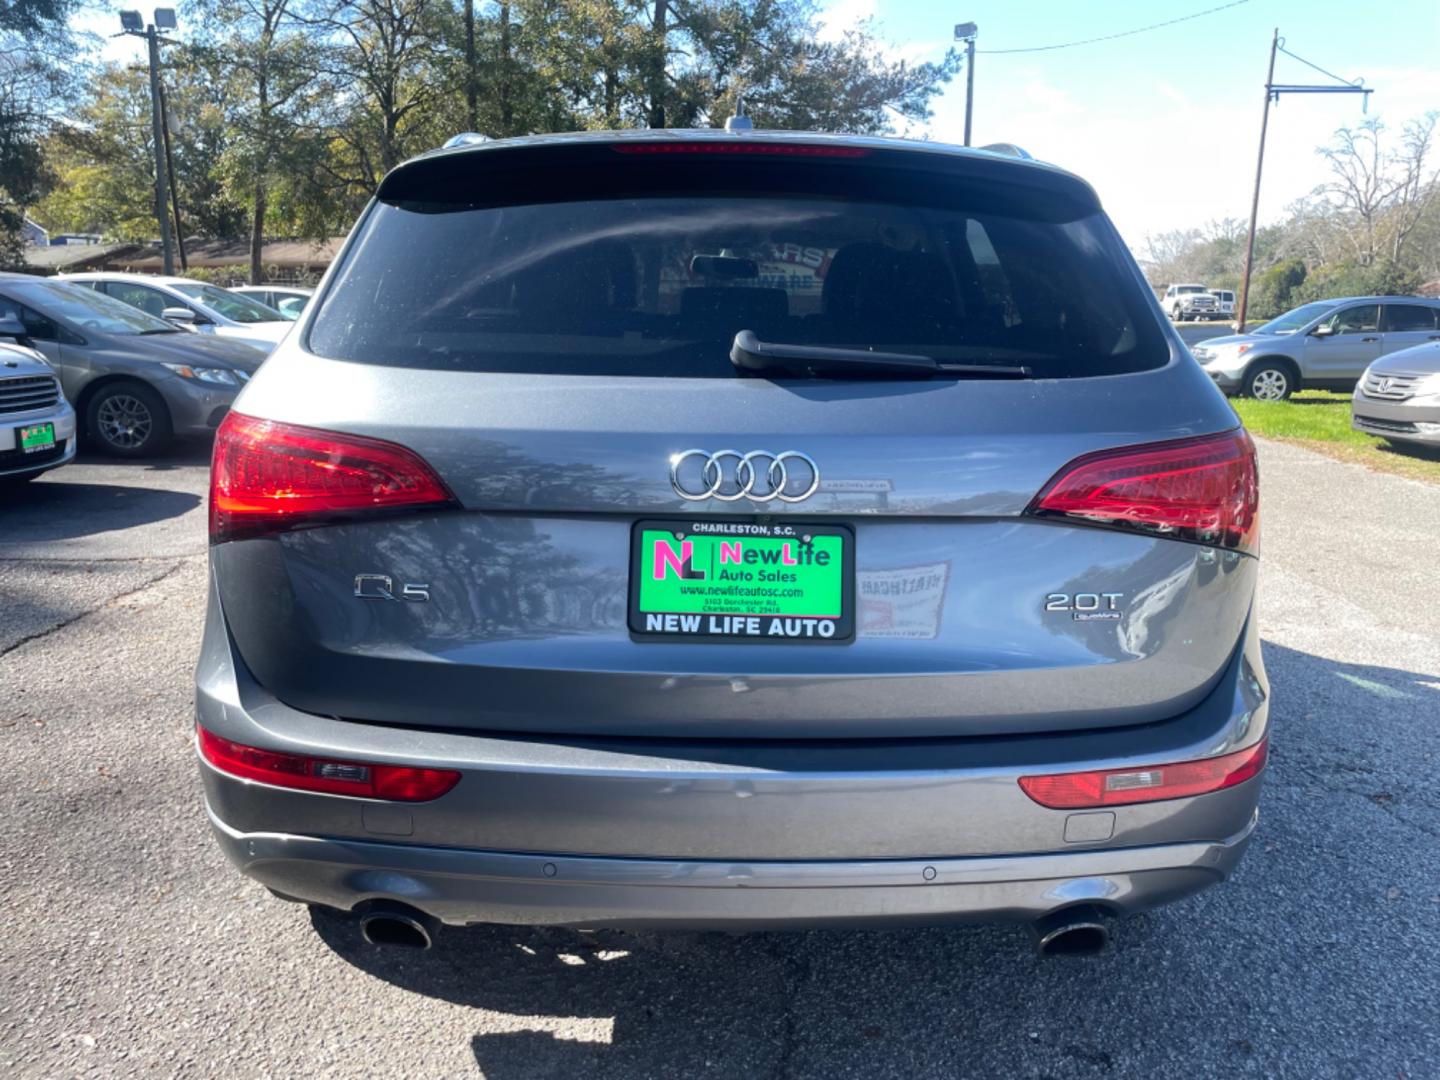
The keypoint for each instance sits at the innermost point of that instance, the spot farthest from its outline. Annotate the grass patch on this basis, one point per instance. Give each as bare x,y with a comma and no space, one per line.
1320,420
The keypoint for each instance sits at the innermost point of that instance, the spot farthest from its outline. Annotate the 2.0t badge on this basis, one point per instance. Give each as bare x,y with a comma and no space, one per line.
1087,606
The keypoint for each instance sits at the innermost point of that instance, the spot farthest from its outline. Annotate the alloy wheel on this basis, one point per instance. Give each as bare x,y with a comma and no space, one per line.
1269,385
124,421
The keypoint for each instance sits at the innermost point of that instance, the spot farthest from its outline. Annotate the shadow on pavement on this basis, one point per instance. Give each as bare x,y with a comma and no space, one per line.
182,452
1223,975
62,511
1410,450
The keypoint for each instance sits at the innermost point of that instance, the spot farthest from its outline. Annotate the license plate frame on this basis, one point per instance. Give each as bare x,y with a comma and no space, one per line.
738,618
35,438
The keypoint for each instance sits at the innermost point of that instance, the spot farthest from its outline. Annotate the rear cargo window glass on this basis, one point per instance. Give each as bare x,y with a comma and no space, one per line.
661,285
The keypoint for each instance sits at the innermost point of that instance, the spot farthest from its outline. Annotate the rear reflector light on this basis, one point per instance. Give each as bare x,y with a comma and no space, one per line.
267,477
749,148
1122,787
398,783
1205,490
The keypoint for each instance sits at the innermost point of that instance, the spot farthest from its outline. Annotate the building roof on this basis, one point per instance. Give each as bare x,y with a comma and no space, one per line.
63,257
219,253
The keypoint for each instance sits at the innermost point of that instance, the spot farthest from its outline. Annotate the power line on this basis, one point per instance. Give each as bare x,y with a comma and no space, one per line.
1122,34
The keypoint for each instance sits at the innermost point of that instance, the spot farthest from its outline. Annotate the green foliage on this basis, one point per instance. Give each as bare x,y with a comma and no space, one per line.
1349,278
287,113
1273,291
31,87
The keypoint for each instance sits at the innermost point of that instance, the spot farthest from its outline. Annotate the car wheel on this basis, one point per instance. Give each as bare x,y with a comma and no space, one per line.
129,420
1175,314
1269,382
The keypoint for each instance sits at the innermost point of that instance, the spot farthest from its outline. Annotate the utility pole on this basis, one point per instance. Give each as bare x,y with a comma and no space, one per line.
657,65
1255,198
131,23
471,113
174,184
1273,91
966,32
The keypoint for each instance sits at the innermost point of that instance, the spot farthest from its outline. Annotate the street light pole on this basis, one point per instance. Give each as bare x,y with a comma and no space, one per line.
131,24
162,178
966,32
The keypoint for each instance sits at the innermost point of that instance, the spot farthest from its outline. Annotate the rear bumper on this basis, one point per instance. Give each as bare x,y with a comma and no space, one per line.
460,887
634,832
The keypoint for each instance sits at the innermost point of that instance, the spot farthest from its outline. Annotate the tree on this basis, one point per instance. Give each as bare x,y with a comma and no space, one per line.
104,162
31,88
1275,288
391,61
263,51
295,109
1383,194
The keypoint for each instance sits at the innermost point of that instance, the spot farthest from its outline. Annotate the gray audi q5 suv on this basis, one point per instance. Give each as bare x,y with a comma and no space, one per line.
732,530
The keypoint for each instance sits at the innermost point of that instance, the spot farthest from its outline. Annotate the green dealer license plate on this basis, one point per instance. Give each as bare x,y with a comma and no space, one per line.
36,437
740,580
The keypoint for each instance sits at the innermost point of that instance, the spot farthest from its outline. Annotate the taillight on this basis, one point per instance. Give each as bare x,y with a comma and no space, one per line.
1205,490
1122,787
267,477
398,783
763,149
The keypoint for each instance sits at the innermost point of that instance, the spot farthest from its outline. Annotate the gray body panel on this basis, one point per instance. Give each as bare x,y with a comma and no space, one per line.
612,780
532,584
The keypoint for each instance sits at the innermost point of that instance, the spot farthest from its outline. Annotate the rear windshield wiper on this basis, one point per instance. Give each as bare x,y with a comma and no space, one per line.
749,353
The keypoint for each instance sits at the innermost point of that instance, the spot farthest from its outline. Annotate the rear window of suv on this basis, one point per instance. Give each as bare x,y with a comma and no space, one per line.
658,283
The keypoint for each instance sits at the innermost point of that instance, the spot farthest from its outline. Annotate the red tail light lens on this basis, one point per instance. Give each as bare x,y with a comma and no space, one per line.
1205,490
763,149
267,477
1123,787
398,783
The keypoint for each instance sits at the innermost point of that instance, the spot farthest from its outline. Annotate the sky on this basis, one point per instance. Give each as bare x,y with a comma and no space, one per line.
1165,124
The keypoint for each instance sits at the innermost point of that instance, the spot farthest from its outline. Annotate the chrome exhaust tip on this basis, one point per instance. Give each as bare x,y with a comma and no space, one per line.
399,927
1072,931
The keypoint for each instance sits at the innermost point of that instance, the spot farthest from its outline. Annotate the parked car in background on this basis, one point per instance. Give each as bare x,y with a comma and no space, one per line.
37,424
196,304
1399,397
135,380
962,627
1224,303
288,300
1189,302
1325,345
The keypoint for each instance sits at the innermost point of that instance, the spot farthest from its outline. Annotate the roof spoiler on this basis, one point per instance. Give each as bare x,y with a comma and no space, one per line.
1006,149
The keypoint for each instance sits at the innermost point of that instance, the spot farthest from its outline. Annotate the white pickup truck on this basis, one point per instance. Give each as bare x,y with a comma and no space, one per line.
1190,302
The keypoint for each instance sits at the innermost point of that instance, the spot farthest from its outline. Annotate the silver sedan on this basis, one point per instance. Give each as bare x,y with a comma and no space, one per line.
1399,397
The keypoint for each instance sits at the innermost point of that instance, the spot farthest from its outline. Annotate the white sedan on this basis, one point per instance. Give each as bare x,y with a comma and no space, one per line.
205,308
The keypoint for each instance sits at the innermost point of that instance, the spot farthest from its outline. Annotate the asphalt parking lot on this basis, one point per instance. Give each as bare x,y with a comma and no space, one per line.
132,949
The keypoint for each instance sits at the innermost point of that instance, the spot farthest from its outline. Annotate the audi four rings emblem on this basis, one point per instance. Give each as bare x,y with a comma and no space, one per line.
759,476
